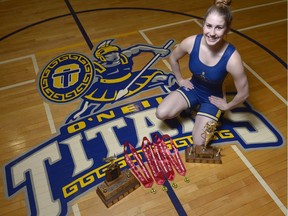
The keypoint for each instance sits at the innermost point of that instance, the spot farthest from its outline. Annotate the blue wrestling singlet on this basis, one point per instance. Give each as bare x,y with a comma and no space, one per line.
207,81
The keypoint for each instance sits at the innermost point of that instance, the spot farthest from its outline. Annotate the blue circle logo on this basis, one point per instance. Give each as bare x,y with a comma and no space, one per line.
66,77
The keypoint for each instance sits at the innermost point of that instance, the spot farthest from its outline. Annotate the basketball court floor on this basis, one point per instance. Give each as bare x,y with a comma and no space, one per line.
55,134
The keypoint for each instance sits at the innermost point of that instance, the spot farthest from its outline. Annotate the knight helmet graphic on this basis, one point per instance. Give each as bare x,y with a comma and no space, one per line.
116,80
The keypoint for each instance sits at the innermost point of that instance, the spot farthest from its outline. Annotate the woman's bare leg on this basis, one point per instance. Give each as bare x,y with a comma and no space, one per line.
171,106
199,127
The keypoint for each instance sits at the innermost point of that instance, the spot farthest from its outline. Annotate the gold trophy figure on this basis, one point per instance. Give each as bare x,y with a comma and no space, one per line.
209,131
113,170
205,153
117,184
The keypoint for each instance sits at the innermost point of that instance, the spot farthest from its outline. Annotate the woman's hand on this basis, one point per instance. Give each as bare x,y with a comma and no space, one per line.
186,83
219,102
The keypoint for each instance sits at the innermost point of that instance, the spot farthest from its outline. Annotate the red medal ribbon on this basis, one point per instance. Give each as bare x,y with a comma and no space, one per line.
146,180
159,159
175,159
163,159
153,164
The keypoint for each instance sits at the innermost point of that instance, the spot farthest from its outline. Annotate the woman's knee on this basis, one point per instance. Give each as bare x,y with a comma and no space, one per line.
161,113
171,106
158,114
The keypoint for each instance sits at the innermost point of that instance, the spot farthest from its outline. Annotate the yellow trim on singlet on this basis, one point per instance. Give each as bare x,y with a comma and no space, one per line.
185,97
208,115
218,114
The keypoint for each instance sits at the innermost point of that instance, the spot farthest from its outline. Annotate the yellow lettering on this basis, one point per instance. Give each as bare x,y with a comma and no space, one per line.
159,99
183,141
86,180
106,116
129,108
70,189
145,104
225,134
76,127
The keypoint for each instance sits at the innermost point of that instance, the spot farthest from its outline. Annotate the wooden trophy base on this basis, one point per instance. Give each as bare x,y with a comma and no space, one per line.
196,154
113,191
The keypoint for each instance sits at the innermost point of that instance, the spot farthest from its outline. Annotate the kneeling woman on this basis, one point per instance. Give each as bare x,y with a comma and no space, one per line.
211,59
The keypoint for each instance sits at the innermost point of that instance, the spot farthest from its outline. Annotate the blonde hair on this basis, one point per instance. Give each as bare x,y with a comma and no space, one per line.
222,3
222,7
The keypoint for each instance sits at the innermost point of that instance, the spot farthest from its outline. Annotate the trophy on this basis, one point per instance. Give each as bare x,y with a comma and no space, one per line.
117,184
204,154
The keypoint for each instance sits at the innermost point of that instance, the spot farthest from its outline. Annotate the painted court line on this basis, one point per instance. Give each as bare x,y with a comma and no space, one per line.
35,65
265,83
258,6
46,105
167,25
36,70
49,118
16,59
262,25
76,210
260,179
17,84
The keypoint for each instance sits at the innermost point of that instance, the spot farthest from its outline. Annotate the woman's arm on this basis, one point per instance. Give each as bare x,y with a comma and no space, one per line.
180,51
236,69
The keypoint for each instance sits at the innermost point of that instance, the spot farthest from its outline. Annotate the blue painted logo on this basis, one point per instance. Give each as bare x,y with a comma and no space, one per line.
66,78
70,164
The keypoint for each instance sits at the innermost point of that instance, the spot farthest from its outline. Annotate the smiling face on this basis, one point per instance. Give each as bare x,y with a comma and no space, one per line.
214,28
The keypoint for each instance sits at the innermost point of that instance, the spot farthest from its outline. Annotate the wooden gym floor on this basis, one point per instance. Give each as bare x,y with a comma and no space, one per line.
249,182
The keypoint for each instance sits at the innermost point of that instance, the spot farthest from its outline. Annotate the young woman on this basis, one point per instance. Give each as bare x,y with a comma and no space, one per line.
211,58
